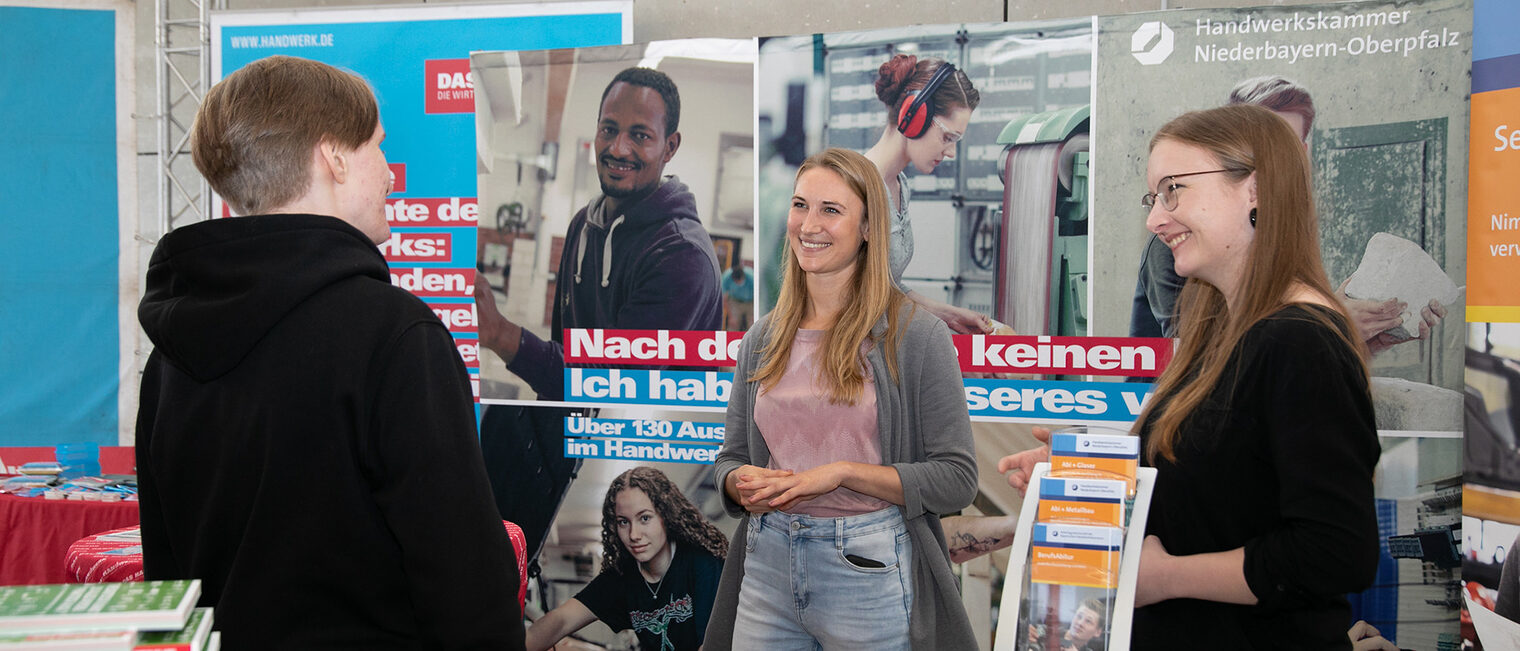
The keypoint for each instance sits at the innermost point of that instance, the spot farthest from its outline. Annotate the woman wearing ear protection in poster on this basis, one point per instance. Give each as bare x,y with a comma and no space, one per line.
1261,428
929,104
847,436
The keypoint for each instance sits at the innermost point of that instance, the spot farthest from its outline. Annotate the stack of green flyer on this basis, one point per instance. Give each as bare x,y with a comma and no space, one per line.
196,635
148,615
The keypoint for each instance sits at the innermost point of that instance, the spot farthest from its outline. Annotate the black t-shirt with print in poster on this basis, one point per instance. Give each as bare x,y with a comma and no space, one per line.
672,619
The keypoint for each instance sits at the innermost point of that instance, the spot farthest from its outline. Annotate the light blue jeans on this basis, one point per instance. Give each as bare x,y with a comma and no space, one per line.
812,583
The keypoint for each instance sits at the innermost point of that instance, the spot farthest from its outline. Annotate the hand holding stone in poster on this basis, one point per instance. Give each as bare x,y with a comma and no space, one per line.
1394,268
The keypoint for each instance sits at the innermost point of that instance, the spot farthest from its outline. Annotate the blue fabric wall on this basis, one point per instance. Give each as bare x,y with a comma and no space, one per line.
58,226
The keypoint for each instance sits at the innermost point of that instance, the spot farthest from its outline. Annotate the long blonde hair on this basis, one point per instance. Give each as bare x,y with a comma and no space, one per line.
1284,255
872,293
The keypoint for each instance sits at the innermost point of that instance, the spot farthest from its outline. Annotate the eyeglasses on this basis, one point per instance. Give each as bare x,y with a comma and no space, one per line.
951,136
1166,190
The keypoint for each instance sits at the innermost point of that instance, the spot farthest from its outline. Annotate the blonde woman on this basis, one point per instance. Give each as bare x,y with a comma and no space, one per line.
847,436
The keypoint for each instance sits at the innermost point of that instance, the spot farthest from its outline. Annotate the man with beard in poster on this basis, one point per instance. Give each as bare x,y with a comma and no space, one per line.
637,257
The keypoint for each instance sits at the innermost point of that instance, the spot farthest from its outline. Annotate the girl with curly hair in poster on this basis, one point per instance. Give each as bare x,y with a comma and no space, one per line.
661,560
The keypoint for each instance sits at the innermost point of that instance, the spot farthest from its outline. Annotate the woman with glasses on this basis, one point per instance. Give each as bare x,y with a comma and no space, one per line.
1261,428
847,436
929,104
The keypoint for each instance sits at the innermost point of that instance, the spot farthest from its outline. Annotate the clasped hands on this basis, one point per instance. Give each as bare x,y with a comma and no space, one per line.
762,490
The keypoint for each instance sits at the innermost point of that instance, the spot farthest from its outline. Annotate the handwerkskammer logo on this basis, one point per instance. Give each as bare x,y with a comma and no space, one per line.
1154,31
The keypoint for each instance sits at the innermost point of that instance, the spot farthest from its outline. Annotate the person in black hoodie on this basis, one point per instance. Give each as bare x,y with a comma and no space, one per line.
306,442
637,257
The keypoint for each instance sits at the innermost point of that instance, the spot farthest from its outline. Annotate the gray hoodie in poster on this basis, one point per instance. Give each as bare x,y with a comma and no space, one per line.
650,268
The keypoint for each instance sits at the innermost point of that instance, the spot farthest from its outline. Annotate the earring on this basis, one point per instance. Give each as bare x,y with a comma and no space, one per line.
1253,218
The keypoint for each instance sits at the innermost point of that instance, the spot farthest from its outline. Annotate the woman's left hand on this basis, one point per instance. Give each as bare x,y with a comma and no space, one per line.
794,489
1150,585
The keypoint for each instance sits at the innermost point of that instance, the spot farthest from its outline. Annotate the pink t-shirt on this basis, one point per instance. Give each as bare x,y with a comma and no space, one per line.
804,430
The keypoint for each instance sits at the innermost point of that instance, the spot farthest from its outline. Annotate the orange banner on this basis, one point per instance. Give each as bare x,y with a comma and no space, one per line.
1493,224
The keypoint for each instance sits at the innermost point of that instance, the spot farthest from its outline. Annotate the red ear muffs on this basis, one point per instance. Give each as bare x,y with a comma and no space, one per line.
914,116
918,107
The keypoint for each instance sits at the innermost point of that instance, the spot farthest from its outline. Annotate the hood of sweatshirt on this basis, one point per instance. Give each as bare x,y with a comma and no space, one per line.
215,288
671,203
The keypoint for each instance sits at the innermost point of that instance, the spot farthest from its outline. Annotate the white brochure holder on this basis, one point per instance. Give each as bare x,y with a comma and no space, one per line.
1121,621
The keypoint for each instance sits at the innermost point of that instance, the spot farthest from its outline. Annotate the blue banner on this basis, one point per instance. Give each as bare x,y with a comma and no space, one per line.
643,429
640,450
1031,401
59,280
612,386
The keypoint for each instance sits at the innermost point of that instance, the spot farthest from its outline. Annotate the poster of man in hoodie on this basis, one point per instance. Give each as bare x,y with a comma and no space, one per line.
605,174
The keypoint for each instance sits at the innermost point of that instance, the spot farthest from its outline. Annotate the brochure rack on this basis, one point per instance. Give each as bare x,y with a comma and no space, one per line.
1015,584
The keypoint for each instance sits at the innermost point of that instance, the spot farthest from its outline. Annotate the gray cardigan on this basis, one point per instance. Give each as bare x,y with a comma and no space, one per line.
925,434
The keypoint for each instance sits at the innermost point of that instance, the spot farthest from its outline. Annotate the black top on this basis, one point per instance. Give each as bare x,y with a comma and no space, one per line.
306,447
670,615
1277,460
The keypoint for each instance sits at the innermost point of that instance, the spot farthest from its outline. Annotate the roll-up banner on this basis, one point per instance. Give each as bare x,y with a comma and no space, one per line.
417,60
1491,462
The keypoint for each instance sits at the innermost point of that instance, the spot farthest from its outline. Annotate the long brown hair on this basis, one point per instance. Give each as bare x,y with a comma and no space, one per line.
1284,255
683,522
872,293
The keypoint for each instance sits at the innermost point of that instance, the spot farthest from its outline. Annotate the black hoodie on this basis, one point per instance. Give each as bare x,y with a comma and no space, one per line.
306,447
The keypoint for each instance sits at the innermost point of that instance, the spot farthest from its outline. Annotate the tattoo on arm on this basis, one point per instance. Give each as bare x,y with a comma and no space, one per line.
968,544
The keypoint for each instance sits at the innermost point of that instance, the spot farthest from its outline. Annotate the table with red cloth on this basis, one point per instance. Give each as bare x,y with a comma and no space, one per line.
112,556
107,557
35,534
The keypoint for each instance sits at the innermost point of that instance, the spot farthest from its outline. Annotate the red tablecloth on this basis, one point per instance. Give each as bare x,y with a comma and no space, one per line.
94,560
102,559
35,534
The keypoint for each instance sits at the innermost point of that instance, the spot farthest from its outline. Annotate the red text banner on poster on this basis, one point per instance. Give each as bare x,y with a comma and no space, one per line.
598,346
418,247
432,211
435,283
398,177
1126,356
469,351
449,86
457,317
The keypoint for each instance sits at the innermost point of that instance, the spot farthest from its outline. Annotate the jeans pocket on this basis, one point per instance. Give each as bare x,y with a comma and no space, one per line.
873,553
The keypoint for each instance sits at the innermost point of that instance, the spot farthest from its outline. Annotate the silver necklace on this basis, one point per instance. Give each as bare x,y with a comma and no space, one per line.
655,591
